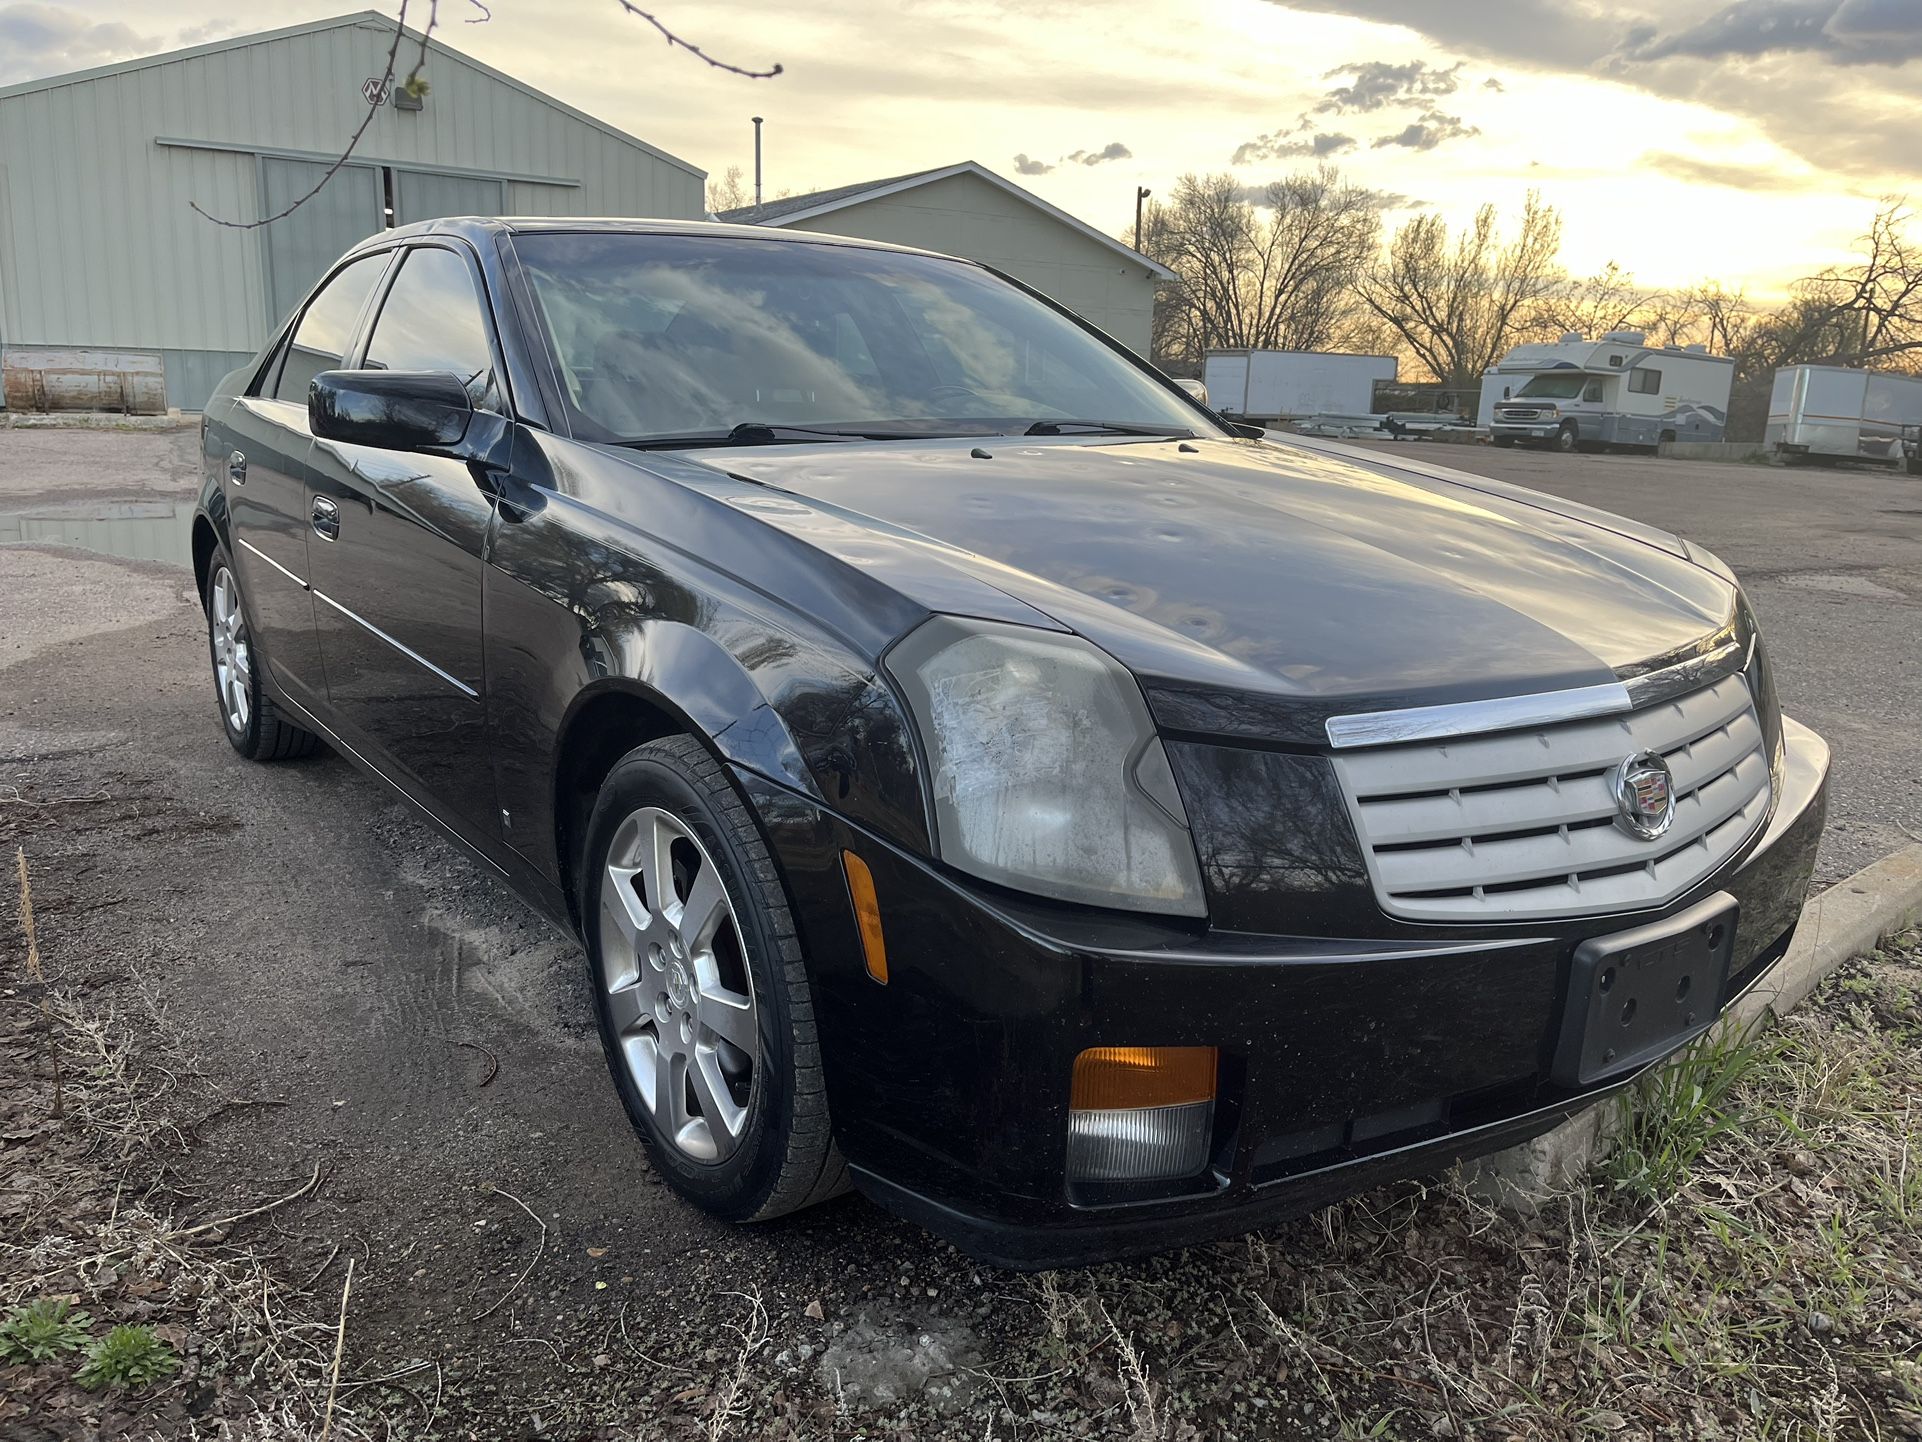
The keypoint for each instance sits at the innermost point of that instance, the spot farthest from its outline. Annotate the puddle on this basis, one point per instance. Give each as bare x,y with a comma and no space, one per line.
136,530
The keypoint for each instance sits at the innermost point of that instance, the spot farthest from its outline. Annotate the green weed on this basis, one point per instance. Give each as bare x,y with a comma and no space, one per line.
41,1331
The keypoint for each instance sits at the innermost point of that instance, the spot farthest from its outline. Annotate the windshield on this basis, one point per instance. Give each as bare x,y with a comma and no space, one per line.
662,336
1561,387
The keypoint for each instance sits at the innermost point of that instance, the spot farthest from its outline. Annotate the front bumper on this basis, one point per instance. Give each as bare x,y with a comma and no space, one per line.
1526,430
1345,1061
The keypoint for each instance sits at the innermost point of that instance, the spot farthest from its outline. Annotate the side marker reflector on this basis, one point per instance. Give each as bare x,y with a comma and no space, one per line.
867,912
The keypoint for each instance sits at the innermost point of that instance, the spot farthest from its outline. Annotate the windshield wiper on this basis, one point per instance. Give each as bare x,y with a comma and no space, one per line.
1119,428
766,433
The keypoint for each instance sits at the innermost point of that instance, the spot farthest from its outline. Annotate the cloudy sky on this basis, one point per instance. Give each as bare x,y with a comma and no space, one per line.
1746,141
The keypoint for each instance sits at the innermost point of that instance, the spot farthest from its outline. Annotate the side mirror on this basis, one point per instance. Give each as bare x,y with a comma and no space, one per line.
1195,389
394,410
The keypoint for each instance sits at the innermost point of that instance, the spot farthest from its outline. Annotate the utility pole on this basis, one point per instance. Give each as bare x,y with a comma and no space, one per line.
1141,193
757,163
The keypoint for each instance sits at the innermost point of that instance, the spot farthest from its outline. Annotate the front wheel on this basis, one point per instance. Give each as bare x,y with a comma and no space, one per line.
700,991
255,726
1568,440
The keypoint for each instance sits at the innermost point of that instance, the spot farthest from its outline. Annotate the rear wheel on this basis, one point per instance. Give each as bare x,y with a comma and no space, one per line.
256,727
700,991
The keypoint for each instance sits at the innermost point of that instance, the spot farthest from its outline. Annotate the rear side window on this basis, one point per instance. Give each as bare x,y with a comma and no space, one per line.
432,321
326,330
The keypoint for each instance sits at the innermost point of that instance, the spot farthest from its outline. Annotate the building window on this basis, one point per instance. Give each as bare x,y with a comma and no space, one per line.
1645,382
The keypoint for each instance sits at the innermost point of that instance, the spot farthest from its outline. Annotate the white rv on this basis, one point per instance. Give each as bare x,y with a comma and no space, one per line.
1844,414
1616,391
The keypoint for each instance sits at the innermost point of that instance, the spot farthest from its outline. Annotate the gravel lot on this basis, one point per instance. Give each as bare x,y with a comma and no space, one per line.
311,943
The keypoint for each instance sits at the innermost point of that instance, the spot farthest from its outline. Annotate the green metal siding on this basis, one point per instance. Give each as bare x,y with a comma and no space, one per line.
99,245
964,215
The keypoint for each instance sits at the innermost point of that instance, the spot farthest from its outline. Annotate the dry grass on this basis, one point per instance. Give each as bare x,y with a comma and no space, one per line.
82,1219
1748,1265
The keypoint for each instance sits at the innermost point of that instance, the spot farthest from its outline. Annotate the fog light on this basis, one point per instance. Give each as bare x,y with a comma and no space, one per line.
1141,1113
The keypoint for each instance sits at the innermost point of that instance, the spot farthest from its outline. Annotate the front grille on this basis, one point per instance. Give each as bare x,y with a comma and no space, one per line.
1522,824
1517,413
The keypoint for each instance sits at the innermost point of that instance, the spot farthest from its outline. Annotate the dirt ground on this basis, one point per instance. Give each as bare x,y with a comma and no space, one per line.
306,949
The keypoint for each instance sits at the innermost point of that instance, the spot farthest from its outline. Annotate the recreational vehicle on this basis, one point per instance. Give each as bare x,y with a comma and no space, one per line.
1614,391
1830,412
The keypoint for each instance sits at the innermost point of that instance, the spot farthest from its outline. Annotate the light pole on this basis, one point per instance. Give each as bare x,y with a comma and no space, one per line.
757,162
1141,193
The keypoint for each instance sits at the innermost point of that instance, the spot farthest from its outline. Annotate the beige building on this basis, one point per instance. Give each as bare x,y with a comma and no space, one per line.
968,210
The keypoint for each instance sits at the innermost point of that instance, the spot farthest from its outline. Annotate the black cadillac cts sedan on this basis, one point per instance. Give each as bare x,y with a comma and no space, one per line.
979,774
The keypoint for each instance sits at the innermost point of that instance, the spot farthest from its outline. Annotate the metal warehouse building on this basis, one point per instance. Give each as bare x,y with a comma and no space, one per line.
108,274
968,210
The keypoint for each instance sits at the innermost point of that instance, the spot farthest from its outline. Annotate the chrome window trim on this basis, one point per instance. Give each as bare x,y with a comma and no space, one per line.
1543,708
406,651
272,562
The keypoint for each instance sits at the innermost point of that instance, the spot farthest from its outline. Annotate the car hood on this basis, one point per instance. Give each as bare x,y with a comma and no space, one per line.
1252,572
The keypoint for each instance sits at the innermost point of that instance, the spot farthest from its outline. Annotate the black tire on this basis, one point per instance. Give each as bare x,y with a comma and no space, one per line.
1568,439
259,730
785,1158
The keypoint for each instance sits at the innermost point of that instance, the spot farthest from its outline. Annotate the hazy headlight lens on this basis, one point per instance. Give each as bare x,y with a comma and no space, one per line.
1047,772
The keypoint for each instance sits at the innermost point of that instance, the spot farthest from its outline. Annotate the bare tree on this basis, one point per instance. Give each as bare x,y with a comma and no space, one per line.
730,192
1457,302
1274,269
1608,300
1865,313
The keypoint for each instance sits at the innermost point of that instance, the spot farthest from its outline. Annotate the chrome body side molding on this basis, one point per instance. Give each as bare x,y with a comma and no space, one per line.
409,652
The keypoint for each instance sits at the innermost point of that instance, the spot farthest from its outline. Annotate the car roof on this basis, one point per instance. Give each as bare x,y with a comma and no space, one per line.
475,227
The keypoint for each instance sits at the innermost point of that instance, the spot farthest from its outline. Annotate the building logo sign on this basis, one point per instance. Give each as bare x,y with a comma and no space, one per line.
374,90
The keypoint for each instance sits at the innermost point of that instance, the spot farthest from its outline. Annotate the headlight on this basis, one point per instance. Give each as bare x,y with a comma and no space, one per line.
1047,774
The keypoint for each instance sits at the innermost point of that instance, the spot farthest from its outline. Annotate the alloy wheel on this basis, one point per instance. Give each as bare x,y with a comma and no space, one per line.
674,976
233,657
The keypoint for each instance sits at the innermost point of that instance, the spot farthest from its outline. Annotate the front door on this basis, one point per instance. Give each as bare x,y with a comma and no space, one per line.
397,552
265,441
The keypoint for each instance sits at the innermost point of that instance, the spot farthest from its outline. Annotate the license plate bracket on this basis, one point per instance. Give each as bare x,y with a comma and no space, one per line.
1636,995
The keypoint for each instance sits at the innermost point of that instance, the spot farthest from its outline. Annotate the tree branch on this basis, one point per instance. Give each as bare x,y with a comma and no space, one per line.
673,40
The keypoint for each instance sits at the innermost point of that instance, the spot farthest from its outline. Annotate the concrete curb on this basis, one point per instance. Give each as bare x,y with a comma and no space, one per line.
1844,921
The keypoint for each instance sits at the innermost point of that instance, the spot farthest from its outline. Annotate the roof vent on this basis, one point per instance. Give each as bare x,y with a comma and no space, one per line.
1626,337
1697,349
1572,337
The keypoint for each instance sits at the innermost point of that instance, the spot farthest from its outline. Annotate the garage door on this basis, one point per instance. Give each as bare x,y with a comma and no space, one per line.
302,245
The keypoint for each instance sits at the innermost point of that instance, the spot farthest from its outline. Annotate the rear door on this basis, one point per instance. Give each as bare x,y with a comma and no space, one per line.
397,586
266,486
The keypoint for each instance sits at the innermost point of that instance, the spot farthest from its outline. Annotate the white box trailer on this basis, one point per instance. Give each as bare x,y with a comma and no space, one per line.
1830,411
1616,391
1279,385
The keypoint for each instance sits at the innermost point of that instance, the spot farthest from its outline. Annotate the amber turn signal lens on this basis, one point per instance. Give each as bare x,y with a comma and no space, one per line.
867,912
1111,1078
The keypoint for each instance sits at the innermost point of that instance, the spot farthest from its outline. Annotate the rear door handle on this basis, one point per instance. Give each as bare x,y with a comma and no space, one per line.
326,517
237,468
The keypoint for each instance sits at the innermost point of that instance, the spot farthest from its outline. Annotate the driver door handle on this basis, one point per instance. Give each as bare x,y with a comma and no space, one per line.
326,516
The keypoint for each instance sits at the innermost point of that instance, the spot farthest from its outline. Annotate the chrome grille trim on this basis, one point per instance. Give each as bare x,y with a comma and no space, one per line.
1543,708
1522,824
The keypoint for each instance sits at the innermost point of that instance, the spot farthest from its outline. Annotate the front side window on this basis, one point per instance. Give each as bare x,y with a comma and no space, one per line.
431,321
1592,391
659,336
326,330
1556,387
1645,382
